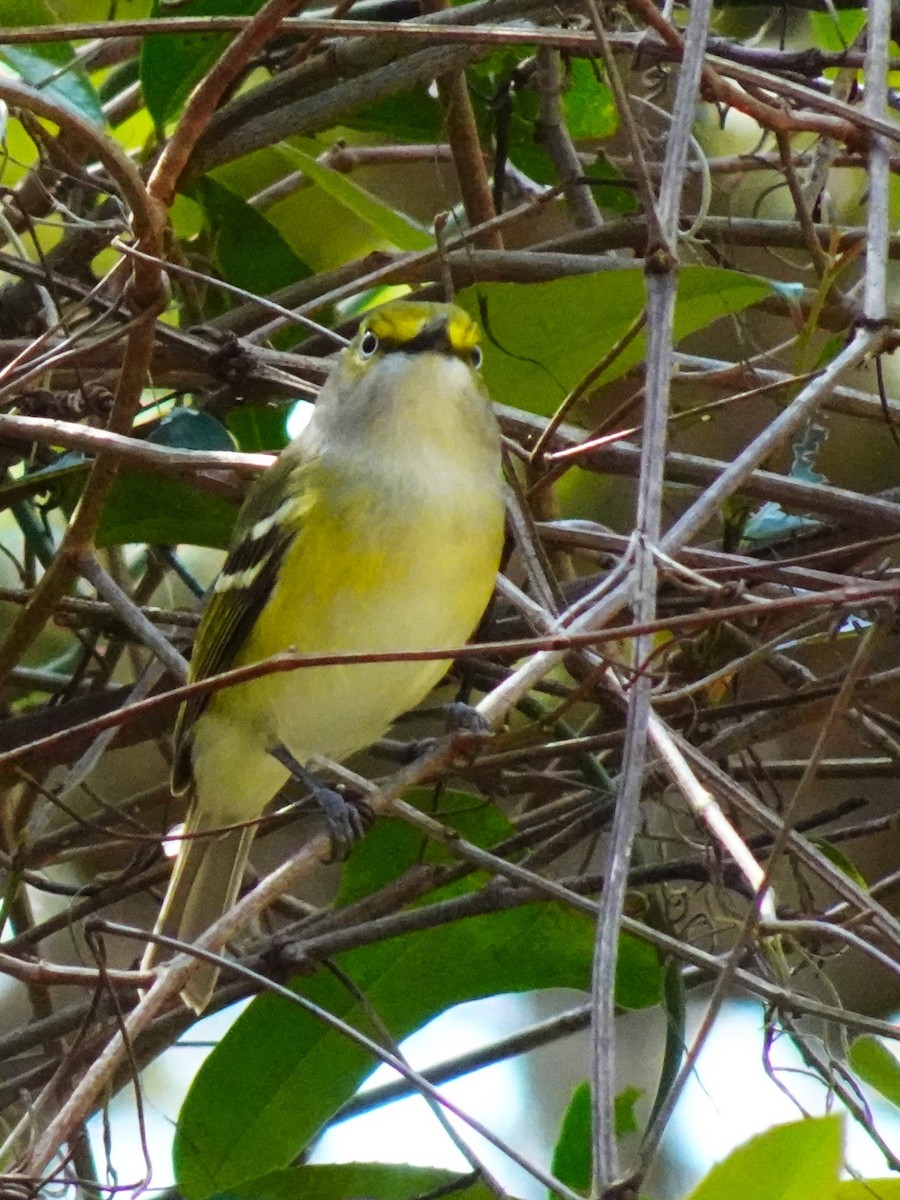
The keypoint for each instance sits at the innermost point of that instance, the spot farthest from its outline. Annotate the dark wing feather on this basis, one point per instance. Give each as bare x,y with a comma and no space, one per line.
247,579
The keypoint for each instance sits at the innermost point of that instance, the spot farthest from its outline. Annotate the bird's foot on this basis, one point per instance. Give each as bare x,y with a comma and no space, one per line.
347,819
463,718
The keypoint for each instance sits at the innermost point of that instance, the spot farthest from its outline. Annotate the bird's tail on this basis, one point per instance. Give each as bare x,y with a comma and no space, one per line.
204,884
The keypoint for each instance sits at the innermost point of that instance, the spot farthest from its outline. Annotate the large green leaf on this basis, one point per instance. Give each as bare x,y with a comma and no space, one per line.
279,1075
588,105
507,111
250,251
258,428
392,845
868,1189
142,507
386,222
836,30
876,1066
800,1161
413,116
571,1162
152,508
543,338
50,66
337,1181
188,429
172,64
321,230
61,480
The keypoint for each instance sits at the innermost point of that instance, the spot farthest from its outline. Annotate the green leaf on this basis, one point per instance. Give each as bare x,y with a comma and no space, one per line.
876,1066
588,104
186,217
322,232
624,1115
800,1161
61,480
251,1108
188,429
237,226
836,29
526,149
50,66
388,849
673,999
337,1181
506,110
839,859
391,845
387,222
506,107
542,338
37,537
142,507
610,188
172,64
868,1189
258,428
572,1154
638,975
414,116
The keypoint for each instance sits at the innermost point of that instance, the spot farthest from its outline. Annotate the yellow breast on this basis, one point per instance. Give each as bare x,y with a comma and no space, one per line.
395,554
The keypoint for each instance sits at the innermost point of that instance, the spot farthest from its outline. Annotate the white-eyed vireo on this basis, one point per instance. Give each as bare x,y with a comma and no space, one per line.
379,528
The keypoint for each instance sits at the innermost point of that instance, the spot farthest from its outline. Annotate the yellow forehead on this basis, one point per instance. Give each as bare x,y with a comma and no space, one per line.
402,320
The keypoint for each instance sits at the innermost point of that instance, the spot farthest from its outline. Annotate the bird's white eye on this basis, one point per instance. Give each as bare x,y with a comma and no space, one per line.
368,345
476,357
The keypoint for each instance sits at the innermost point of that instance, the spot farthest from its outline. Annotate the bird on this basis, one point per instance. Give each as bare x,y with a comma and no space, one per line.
379,528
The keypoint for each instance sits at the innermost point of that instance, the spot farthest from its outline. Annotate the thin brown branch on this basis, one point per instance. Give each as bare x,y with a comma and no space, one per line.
147,297
195,119
554,135
552,644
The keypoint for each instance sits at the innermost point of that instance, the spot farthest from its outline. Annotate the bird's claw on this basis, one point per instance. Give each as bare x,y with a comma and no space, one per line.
463,718
347,820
